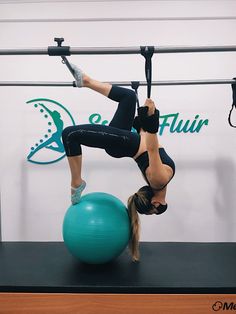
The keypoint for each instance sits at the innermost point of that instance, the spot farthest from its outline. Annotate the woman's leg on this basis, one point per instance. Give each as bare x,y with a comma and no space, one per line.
124,115
75,162
125,112
77,184
117,143
123,118
100,87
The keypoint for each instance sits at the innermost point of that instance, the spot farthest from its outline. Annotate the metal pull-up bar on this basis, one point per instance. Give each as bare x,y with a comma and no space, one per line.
122,83
67,51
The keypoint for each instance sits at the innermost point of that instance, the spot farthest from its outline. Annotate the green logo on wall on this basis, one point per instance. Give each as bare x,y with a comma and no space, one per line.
52,118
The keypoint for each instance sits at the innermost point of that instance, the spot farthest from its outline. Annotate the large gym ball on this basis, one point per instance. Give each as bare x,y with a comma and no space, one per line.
97,229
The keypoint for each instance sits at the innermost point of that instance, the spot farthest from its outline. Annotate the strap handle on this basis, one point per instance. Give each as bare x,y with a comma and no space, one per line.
233,104
147,53
135,86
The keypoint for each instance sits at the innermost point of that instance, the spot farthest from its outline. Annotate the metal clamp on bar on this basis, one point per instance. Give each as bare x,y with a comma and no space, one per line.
59,50
135,85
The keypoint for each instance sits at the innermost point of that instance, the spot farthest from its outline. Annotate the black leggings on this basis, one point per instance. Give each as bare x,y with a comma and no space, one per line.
117,138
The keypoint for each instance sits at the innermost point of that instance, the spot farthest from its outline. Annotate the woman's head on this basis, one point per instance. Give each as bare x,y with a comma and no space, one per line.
145,204
141,202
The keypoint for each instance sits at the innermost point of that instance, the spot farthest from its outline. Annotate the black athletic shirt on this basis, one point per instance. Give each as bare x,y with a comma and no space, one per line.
143,162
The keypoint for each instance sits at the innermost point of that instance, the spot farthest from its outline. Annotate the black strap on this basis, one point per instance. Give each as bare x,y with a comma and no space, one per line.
147,52
67,63
233,104
135,86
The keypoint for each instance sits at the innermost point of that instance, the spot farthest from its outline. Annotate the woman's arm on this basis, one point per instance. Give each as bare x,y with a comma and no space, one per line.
157,173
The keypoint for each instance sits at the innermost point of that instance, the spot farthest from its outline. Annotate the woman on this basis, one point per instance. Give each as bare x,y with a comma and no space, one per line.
118,141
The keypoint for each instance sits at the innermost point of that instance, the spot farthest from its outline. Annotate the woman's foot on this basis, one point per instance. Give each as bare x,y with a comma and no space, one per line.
82,79
76,193
78,75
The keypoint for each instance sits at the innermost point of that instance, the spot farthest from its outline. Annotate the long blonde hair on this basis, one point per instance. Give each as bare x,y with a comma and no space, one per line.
139,202
135,229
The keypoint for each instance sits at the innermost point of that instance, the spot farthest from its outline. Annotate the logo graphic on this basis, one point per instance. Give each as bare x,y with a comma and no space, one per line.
170,122
226,306
52,117
217,306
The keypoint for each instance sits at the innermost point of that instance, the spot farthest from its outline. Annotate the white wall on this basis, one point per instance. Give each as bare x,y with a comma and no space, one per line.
202,195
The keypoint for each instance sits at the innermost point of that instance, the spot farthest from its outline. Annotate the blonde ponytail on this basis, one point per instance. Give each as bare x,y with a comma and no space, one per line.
135,229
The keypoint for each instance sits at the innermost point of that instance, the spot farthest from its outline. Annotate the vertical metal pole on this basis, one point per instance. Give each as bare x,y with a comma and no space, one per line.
0,216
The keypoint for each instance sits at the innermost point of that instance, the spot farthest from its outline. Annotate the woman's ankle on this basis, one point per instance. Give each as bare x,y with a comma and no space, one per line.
86,80
76,183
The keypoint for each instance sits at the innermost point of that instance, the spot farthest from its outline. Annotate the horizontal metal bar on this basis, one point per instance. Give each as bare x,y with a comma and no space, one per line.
120,50
194,82
121,83
119,19
160,49
30,83
24,51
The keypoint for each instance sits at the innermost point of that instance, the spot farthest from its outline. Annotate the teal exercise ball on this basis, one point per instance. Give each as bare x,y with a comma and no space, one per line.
97,229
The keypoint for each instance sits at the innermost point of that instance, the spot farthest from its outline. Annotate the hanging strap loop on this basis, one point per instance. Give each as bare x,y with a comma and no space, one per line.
147,53
136,122
135,86
233,104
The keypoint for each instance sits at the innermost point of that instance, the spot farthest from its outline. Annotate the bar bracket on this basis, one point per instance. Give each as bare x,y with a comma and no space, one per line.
59,50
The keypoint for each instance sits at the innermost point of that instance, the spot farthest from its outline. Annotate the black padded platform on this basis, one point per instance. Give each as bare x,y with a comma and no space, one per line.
164,268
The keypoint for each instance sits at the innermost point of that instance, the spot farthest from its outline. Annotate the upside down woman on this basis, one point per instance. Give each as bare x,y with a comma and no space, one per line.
118,141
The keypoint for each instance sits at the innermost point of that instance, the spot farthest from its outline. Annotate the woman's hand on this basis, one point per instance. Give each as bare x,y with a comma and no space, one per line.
151,106
149,116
